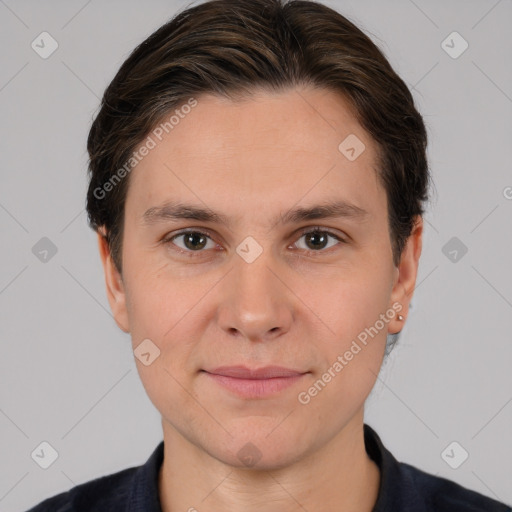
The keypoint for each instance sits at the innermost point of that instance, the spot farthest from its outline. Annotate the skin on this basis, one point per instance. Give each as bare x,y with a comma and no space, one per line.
253,160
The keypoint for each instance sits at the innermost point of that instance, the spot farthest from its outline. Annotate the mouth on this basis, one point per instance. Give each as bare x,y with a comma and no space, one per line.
254,383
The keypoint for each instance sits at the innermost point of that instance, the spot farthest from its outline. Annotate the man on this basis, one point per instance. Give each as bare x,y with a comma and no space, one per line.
258,174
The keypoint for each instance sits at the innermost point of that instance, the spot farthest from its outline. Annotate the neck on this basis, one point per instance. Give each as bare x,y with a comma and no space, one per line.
339,476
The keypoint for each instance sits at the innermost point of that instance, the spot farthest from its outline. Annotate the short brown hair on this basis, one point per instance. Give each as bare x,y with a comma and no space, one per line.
233,47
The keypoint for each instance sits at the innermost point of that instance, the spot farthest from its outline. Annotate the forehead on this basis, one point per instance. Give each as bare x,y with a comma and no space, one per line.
271,148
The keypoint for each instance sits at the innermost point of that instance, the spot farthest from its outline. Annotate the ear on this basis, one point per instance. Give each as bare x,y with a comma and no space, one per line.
114,284
405,280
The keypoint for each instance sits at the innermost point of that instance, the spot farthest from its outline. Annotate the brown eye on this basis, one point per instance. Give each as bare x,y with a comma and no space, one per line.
193,241
318,239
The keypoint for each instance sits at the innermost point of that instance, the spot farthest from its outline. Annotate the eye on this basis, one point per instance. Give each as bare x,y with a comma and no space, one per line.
195,240
317,239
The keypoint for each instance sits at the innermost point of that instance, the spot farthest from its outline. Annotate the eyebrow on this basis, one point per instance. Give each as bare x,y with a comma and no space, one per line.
175,210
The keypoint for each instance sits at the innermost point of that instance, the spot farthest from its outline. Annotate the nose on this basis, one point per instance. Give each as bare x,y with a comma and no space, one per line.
256,302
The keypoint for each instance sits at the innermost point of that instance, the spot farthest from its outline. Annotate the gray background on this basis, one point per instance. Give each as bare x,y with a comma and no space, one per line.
67,373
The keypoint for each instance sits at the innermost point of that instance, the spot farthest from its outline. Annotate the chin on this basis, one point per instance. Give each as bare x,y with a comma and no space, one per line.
261,451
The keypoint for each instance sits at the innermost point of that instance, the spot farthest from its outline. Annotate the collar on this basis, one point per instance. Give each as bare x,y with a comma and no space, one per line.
396,489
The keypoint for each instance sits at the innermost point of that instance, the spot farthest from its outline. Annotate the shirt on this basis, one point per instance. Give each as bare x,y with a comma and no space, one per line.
403,488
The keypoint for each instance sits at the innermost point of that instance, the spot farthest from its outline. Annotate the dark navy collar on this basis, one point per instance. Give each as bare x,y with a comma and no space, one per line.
144,494
396,488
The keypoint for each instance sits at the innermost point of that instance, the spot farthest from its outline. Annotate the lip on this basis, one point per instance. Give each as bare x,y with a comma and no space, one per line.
242,372
254,383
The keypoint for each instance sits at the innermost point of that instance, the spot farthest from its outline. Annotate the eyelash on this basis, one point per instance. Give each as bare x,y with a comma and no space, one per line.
310,230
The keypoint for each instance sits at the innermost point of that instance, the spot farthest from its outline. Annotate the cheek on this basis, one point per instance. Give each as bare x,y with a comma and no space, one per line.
164,306
356,307
351,359
148,307
354,300
154,301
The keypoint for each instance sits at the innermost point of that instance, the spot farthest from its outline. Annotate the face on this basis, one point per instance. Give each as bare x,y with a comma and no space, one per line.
256,286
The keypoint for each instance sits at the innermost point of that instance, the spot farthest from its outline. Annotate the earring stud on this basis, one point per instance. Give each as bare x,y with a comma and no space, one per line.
400,318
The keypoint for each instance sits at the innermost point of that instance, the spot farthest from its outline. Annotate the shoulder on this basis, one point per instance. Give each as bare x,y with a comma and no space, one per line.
406,487
443,495
132,489
108,492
